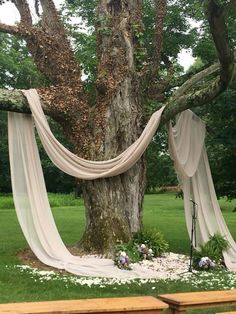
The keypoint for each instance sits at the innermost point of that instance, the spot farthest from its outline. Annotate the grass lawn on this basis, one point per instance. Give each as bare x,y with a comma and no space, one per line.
162,211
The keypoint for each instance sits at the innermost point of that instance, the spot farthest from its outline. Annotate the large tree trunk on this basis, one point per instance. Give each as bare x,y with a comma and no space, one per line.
113,209
114,205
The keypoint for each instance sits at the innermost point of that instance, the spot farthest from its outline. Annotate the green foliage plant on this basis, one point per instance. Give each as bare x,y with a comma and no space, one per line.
212,249
152,239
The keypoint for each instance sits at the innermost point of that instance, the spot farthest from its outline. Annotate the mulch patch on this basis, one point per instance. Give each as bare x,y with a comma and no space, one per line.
27,257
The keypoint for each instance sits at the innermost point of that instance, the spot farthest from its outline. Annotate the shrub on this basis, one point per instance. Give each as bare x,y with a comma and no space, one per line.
153,239
213,249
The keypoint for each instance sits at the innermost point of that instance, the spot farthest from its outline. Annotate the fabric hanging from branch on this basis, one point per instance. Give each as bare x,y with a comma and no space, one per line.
82,168
187,149
34,212
30,196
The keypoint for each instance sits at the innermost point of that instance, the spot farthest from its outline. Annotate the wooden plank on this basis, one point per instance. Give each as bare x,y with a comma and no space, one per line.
179,303
234,312
204,297
135,305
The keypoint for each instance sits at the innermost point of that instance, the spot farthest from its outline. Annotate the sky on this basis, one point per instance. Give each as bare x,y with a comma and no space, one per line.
9,15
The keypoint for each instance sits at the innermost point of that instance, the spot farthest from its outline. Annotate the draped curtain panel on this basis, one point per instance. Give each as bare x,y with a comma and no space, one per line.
82,168
187,149
34,212
30,196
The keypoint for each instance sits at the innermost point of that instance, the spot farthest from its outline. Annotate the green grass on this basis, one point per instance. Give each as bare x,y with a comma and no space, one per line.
162,211
55,200
166,213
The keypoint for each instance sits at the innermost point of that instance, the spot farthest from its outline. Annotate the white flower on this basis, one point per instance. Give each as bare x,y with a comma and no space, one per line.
212,264
142,246
123,253
205,263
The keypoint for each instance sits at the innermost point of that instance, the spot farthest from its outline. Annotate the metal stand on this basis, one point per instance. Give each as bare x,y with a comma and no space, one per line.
193,238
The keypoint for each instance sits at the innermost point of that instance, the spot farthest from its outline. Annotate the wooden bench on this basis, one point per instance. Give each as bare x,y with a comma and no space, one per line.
133,305
234,312
179,303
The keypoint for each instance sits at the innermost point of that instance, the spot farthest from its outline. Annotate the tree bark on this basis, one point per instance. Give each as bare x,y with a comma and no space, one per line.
114,205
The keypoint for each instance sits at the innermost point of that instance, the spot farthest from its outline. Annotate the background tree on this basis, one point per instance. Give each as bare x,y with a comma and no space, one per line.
160,168
133,72
18,71
221,142
220,115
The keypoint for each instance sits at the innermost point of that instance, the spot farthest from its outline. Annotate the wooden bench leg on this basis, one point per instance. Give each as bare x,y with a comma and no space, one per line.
175,311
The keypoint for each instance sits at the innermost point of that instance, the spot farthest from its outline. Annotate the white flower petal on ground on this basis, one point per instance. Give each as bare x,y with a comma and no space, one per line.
169,267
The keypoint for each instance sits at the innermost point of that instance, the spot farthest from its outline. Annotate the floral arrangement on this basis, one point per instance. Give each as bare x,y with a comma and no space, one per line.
145,252
210,254
206,263
144,245
122,260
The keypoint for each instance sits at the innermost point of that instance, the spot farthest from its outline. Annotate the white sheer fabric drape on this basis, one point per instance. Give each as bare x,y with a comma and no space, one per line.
34,213
82,168
187,149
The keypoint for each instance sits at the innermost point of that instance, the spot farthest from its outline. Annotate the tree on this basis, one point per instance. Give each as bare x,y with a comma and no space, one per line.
221,142
160,168
220,119
18,71
133,71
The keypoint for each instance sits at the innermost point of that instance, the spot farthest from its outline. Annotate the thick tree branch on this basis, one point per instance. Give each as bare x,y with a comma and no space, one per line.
9,29
48,43
24,10
160,8
156,87
219,32
150,73
20,30
202,75
163,84
170,82
194,99
65,101
51,20
221,39
195,79
15,101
